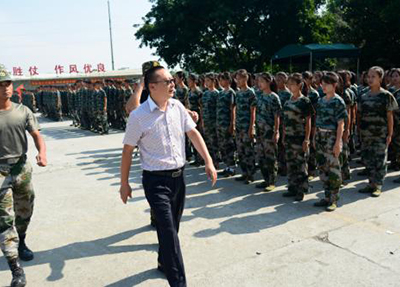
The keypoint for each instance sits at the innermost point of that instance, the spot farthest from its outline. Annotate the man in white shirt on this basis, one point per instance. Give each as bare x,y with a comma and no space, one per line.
158,128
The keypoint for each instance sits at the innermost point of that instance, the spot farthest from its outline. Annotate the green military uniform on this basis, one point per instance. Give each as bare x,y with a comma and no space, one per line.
373,110
396,131
314,97
101,123
329,114
245,145
194,99
181,94
268,106
295,113
284,95
209,116
348,99
226,145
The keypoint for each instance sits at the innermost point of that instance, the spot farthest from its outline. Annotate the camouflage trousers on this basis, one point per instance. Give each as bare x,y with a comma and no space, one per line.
245,151
312,160
101,122
344,161
281,152
226,146
328,165
210,137
16,206
266,155
296,163
396,145
374,154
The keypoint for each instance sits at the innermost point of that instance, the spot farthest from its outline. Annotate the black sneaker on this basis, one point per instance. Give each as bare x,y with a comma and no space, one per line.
241,178
263,184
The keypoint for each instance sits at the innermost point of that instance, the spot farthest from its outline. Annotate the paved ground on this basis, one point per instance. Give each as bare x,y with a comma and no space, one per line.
231,235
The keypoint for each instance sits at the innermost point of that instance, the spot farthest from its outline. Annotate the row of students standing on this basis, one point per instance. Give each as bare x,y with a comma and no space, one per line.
285,124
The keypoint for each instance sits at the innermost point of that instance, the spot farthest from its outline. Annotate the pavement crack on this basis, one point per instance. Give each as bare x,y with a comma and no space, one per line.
324,238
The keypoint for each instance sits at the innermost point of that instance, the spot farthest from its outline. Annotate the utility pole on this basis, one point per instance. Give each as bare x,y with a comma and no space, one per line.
111,40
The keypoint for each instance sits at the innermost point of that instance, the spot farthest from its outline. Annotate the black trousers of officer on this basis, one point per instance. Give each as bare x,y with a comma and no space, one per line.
166,196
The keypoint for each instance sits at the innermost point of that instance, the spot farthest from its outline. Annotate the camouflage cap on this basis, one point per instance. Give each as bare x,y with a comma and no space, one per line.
4,74
149,65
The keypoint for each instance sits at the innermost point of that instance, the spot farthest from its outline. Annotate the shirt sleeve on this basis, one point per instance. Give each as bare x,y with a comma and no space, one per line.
341,112
392,103
133,131
31,122
188,122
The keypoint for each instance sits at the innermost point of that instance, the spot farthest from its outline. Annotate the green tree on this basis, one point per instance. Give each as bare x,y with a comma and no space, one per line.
372,25
226,35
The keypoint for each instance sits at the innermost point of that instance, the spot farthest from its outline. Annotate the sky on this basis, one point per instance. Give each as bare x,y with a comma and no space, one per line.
46,33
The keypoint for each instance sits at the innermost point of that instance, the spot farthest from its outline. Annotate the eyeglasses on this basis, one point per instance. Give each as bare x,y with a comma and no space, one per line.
5,84
166,82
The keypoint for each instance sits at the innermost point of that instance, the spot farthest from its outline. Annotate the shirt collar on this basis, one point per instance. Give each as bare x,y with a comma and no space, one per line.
153,105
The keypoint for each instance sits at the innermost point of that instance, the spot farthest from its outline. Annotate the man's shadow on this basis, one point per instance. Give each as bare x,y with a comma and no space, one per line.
57,257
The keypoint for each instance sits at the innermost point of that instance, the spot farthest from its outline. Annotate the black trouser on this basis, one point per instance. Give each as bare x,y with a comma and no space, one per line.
166,196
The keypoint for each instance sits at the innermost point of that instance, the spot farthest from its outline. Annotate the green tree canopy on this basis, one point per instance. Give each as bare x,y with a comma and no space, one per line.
225,35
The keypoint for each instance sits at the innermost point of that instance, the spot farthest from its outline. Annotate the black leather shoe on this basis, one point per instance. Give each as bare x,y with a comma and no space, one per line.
241,178
18,275
24,253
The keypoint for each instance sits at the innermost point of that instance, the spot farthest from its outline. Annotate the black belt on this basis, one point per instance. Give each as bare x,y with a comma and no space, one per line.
15,160
171,173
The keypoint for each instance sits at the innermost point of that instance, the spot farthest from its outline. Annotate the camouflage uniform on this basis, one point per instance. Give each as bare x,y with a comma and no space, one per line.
313,95
244,144
194,98
295,116
396,130
344,155
226,145
267,107
181,94
101,123
209,115
373,129
329,113
284,96
16,205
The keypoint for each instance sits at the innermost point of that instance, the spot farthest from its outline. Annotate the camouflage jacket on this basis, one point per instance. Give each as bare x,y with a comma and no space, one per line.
224,103
330,112
295,113
244,100
209,107
194,98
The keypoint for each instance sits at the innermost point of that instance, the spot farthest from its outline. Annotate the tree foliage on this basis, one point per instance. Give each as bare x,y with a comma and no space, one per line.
226,35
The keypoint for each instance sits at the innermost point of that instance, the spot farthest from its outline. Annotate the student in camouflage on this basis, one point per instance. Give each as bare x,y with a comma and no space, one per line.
244,125
396,118
226,124
266,110
284,95
344,91
209,116
297,114
194,99
16,190
314,97
376,129
331,115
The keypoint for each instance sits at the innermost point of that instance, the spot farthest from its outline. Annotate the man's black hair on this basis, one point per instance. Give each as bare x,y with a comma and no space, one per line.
149,76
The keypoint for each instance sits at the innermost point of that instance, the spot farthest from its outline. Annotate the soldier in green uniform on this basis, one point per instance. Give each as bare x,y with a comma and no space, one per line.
245,98
209,115
100,103
16,190
194,98
226,124
313,95
266,110
284,95
297,114
376,129
331,115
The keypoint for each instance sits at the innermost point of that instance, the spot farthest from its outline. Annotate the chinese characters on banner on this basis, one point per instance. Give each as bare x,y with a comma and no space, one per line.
59,69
